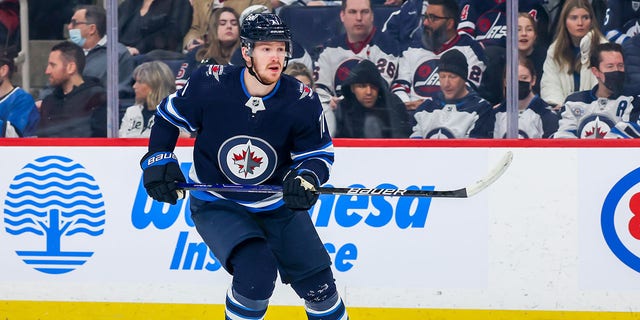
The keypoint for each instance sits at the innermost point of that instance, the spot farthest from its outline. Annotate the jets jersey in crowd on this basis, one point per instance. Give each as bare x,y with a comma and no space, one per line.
418,74
538,120
339,57
243,139
405,22
485,20
622,20
136,122
586,116
468,117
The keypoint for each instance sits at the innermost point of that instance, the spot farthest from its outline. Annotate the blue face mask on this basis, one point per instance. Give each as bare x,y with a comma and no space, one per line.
76,37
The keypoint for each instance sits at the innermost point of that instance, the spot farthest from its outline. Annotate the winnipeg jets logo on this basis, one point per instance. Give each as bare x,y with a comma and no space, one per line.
305,91
255,104
215,71
247,160
595,127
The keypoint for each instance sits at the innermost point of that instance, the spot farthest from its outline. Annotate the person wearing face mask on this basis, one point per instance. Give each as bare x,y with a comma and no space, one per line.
604,111
536,119
88,29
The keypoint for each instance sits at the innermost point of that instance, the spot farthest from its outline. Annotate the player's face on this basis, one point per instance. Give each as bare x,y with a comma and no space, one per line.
526,35
365,93
578,24
357,18
452,85
58,70
268,60
141,90
228,30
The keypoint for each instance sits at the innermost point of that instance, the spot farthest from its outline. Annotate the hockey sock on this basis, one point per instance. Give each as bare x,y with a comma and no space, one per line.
322,301
330,309
238,307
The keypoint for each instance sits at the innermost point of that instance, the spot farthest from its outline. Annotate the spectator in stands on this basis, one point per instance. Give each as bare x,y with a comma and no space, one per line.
146,25
602,112
202,10
418,74
300,71
369,109
48,17
361,40
566,67
457,111
78,106
153,81
536,119
9,28
622,20
486,22
405,22
222,39
529,47
87,28
18,113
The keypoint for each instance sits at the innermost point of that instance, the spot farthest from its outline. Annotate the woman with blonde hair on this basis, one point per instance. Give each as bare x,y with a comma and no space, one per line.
220,41
566,67
154,80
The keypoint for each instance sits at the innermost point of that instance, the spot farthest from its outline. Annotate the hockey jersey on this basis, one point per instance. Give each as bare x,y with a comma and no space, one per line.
337,59
485,20
622,20
136,122
18,114
586,116
244,139
468,117
418,74
538,120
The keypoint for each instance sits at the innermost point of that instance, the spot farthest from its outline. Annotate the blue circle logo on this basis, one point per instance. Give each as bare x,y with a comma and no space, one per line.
247,160
612,229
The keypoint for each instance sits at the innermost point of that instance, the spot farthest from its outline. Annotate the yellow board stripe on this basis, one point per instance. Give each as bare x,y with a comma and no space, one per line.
29,310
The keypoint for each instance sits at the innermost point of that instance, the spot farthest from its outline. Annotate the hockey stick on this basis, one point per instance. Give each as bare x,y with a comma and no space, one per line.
466,192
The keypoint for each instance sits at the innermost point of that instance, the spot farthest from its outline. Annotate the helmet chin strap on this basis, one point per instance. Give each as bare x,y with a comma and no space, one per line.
254,74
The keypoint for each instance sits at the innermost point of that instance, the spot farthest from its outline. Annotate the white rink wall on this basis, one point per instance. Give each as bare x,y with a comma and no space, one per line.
560,230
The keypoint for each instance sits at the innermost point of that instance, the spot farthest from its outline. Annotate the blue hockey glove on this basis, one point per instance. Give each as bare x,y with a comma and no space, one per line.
160,174
298,190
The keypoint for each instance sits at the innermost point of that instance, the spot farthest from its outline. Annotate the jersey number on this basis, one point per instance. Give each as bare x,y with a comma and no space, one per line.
475,74
386,67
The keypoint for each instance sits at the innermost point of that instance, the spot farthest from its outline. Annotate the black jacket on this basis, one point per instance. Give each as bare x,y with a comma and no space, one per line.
163,27
80,113
388,118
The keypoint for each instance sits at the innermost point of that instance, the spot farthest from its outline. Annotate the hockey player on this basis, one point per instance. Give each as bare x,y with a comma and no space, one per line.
340,55
602,112
456,111
418,73
254,126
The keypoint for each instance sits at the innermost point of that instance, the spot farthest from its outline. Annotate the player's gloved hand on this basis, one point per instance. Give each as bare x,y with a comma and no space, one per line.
161,171
298,190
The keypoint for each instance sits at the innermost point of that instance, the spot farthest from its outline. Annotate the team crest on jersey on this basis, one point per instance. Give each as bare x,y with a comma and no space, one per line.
489,26
215,71
595,127
426,81
247,160
343,71
305,91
